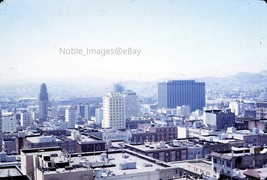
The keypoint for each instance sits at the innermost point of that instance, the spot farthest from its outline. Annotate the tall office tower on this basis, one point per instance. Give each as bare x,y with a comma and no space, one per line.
1,133
25,119
181,92
114,111
118,88
83,111
71,117
43,102
131,103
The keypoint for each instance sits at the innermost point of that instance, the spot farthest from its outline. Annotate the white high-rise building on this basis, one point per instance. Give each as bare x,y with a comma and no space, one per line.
131,103
114,111
9,123
25,119
71,116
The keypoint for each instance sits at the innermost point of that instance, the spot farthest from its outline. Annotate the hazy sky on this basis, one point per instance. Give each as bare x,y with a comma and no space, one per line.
178,39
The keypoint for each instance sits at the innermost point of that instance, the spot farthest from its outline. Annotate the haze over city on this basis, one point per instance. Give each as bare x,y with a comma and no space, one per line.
176,39
133,90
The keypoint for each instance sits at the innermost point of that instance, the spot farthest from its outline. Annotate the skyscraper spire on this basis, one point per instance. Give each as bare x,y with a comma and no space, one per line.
43,102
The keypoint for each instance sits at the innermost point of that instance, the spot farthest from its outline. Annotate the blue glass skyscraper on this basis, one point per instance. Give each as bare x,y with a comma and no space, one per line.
181,92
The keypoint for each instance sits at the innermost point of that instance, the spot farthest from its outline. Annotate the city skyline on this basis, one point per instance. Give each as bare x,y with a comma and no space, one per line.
176,39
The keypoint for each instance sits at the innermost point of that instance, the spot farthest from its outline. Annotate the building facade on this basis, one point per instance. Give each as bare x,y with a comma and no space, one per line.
181,92
43,102
261,110
131,104
218,119
9,123
71,117
83,111
25,119
114,111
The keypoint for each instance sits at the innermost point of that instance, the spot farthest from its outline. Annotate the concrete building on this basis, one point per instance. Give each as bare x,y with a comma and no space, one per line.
98,116
154,134
61,110
133,123
71,117
67,144
237,107
114,111
87,144
178,93
12,172
131,104
261,110
183,111
195,169
116,135
43,102
25,119
238,158
35,115
83,111
218,119
9,122
161,151
9,144
53,163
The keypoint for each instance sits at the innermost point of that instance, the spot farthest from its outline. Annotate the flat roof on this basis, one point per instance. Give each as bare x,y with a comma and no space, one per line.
42,139
117,159
199,163
10,172
94,160
45,150
154,147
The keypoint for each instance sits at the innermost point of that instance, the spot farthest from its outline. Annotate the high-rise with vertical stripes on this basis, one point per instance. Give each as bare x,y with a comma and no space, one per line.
181,92
43,102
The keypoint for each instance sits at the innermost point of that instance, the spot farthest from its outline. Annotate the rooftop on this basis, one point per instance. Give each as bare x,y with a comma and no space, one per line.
157,146
12,172
111,164
43,139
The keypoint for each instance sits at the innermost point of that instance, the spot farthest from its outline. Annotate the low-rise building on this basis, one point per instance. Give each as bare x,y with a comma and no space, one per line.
161,151
194,169
53,163
50,141
238,158
116,135
12,172
154,133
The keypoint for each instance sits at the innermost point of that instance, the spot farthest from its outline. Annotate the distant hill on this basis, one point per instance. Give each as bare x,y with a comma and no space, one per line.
98,87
